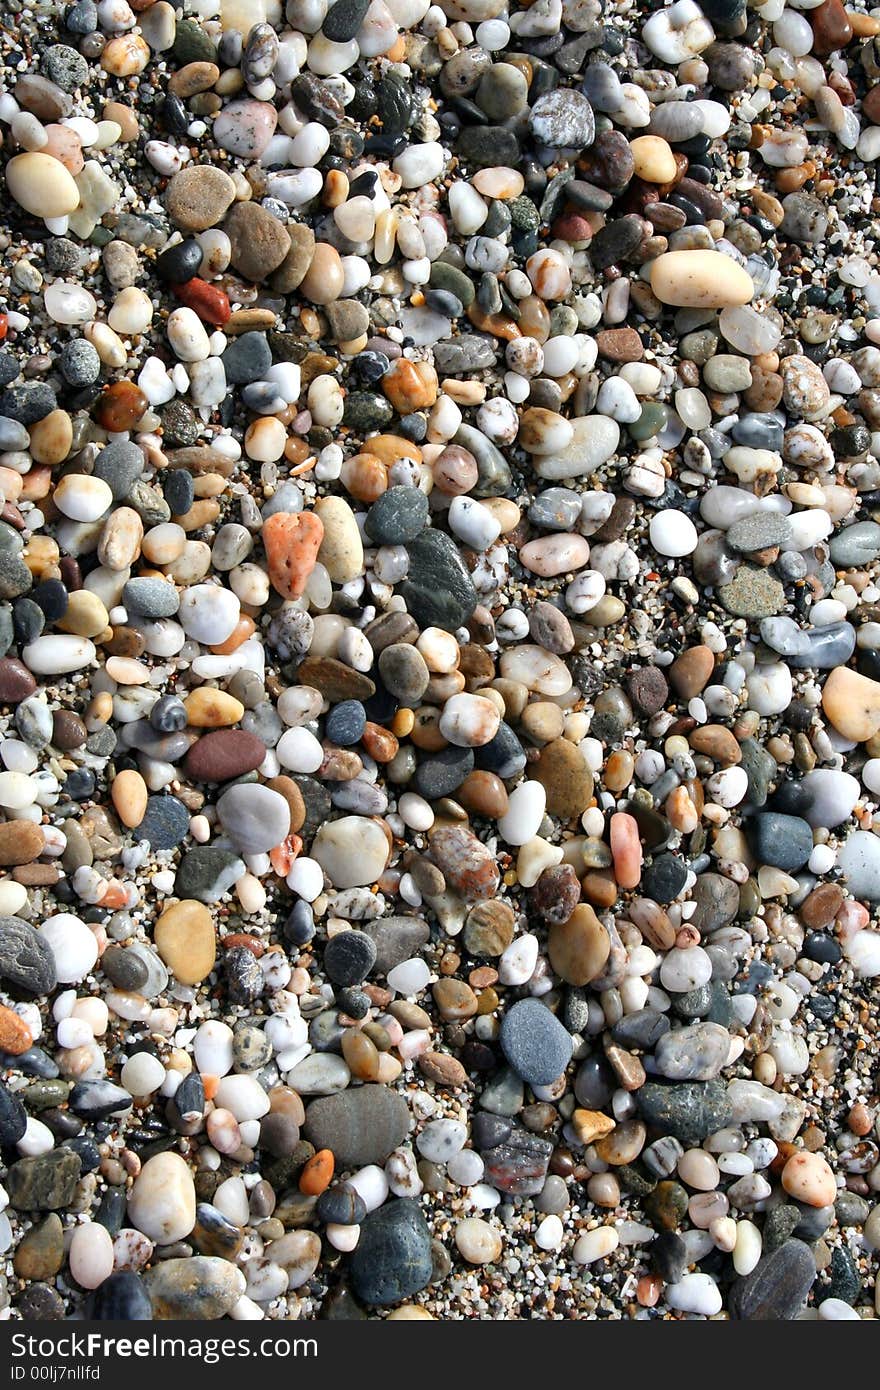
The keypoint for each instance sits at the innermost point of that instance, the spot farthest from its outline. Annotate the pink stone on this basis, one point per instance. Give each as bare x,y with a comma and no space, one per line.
626,850
246,127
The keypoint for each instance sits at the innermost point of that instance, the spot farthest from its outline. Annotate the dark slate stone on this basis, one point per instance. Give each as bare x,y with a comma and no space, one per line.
392,1259
438,590
777,1288
26,959
349,957
689,1110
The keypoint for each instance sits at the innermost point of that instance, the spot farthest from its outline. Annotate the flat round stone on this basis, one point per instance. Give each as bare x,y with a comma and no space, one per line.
535,1043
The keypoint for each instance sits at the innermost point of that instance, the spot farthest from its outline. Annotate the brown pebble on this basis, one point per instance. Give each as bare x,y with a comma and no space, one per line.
36,875
483,794
689,673
718,743
831,27
20,842
443,1069
16,681
648,689
224,754
620,345
294,798
563,772
455,1000
820,907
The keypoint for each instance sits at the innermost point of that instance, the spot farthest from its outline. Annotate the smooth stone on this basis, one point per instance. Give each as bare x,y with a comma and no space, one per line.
349,957
201,1287
785,842
352,851
827,647
438,589
255,817
689,1110
392,1259
535,1043
165,824
695,1053
396,939
361,1125
162,1201
700,280
224,754
207,872
855,546
185,939
777,1288
859,861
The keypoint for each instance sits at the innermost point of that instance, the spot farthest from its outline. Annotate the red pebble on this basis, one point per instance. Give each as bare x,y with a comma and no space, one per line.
571,226
209,302
4,324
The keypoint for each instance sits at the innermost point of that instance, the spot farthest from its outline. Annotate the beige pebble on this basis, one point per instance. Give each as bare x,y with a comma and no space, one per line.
125,56
477,1241
653,159
162,1202
342,551
51,438
41,185
124,670
86,615
557,554
121,538
325,276
700,280
207,708
499,182
852,703
129,795
163,544
186,941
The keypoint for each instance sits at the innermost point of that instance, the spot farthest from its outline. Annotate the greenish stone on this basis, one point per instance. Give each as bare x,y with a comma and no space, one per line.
753,592
667,1205
689,1110
46,1182
447,277
438,590
760,768
192,44
366,411
651,421
524,216
44,1095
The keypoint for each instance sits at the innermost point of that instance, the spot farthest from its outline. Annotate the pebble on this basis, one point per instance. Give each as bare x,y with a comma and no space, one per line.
535,1043
437,642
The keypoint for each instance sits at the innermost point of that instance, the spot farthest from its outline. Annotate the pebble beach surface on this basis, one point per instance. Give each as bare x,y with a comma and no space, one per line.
439,660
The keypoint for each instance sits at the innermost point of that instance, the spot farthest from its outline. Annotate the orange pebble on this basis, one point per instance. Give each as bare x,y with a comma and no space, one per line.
114,896
317,1175
282,856
15,1036
648,1290
292,541
243,629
